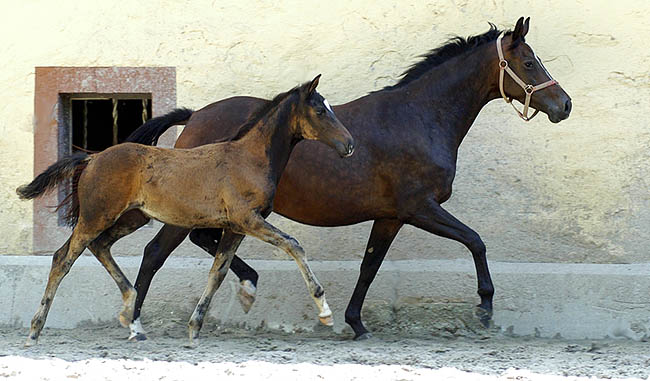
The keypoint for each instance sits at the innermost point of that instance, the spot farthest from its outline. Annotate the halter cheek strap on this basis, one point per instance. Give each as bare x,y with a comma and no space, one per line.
528,89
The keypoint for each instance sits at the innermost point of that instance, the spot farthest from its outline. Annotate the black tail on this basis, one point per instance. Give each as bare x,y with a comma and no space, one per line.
70,167
52,176
149,132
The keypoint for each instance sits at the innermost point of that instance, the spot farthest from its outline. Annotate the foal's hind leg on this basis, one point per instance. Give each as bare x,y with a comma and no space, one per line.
268,233
101,246
208,240
227,247
62,261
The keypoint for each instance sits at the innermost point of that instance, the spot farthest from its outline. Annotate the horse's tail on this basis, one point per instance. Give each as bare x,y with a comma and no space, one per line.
66,168
149,132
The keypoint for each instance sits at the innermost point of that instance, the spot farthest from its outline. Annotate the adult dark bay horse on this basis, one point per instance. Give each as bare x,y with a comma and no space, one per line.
229,185
408,136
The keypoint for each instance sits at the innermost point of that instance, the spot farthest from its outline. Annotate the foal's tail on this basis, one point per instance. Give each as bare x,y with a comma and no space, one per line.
66,168
149,132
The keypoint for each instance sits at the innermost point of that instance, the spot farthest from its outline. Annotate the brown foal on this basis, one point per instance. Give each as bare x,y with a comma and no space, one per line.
234,190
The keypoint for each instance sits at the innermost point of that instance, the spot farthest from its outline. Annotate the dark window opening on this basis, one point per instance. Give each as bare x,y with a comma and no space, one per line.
93,122
100,123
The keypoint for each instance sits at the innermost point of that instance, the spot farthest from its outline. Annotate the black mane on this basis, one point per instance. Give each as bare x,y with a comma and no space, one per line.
262,111
453,48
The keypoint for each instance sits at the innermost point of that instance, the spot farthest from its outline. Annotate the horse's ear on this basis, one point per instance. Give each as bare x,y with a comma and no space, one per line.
312,85
526,27
519,29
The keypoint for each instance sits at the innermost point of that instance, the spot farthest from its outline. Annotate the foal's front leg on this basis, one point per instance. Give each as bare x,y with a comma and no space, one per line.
259,228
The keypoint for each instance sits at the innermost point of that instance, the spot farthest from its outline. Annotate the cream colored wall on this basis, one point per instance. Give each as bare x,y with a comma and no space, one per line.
576,191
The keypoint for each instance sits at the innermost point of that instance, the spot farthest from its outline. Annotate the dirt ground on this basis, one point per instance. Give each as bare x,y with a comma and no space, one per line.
102,353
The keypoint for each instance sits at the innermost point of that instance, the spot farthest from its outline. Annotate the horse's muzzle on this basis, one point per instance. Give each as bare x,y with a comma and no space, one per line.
349,150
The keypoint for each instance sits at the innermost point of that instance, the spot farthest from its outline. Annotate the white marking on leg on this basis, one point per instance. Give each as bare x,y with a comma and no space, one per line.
246,294
325,309
325,315
371,250
136,328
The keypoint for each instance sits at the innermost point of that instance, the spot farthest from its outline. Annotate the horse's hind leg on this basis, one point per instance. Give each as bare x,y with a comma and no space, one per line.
208,240
100,247
270,234
382,235
62,261
155,254
227,247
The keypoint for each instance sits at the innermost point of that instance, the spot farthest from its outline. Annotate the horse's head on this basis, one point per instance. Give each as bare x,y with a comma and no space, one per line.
317,121
524,77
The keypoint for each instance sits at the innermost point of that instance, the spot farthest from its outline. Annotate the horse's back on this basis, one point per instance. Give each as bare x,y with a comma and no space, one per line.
218,121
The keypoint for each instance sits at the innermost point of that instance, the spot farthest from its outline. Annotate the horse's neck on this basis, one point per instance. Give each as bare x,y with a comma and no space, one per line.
272,138
451,95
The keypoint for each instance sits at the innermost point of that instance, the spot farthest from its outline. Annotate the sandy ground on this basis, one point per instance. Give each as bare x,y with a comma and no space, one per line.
102,353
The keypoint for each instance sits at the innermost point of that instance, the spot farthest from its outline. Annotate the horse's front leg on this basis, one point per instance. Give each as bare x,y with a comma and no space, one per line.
208,240
226,251
434,219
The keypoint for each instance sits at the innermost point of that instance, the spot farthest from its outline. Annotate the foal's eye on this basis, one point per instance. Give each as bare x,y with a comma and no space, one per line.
528,64
320,111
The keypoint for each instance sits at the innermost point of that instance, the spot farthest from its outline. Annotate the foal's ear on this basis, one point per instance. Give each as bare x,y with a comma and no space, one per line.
312,86
520,30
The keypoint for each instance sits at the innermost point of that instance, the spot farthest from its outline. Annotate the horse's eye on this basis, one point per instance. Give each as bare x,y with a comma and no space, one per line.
320,111
528,64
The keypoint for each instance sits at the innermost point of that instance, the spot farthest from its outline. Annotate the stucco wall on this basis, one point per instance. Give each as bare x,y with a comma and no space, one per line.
572,192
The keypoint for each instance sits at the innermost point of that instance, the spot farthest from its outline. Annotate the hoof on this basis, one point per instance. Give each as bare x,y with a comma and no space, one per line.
363,336
326,320
134,338
137,331
246,293
194,341
193,336
484,316
30,342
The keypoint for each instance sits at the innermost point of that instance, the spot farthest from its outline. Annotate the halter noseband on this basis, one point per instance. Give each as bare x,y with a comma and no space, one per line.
528,89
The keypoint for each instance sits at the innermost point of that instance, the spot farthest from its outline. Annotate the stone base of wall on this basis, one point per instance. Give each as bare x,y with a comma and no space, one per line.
413,298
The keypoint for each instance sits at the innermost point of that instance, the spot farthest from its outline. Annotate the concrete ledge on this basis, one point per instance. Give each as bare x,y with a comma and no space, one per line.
408,297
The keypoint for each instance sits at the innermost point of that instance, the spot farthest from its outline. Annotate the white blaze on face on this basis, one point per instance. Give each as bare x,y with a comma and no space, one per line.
327,105
542,65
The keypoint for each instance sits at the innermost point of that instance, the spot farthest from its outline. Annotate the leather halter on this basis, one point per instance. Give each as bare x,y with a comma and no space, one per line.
528,89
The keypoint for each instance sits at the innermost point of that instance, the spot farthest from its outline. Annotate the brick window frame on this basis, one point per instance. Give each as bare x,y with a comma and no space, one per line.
52,86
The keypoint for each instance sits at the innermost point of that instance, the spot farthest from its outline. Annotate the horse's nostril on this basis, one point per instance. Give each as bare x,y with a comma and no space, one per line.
567,106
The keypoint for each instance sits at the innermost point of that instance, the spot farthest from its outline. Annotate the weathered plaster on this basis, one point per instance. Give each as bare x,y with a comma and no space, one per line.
572,192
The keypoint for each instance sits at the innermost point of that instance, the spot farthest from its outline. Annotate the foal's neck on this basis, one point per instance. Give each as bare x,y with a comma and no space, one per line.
273,137
452,94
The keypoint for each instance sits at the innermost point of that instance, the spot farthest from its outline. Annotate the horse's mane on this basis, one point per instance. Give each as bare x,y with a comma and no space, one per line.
262,111
452,48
